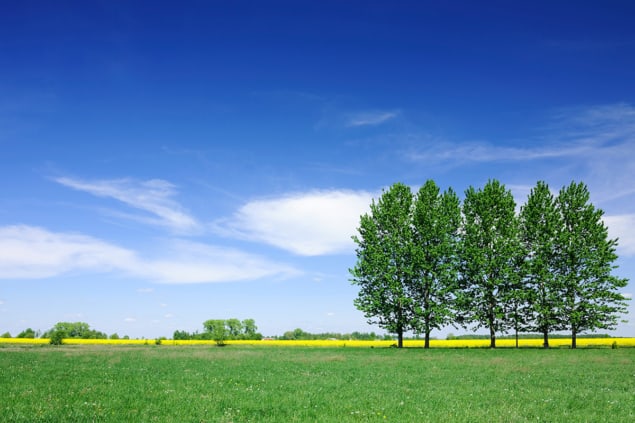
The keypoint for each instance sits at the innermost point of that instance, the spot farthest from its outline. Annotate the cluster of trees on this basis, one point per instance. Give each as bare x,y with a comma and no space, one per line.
221,330
61,330
80,330
425,261
299,334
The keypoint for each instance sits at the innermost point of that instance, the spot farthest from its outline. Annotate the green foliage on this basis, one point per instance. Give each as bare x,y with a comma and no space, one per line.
435,221
218,330
584,263
549,268
5,335
242,384
490,252
221,330
301,335
78,330
27,333
114,336
539,226
57,337
384,270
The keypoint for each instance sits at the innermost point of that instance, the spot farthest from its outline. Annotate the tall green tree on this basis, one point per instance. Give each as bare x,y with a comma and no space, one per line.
234,328
217,328
489,259
250,329
539,226
436,222
585,261
384,268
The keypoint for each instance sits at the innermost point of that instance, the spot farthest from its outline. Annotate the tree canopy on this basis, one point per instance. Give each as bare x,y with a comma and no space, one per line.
425,261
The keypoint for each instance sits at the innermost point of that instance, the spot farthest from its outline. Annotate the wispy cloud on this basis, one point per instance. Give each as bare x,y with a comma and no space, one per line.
623,228
595,144
370,118
572,133
28,252
308,224
154,196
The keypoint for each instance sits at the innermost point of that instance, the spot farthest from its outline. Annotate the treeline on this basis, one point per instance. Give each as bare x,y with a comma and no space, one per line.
300,335
450,336
221,330
62,330
426,261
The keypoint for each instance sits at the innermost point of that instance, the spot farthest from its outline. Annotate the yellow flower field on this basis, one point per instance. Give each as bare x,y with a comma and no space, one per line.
457,343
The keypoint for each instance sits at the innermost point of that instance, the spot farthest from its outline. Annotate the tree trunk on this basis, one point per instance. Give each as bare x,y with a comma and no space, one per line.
426,343
400,338
516,338
545,339
573,338
492,338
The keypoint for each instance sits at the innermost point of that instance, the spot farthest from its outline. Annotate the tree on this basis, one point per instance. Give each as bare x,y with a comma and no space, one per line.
234,328
56,337
218,330
384,268
489,252
436,221
27,333
539,225
250,329
5,335
80,330
585,258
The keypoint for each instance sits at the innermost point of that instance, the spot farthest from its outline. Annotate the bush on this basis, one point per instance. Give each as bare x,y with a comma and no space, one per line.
57,337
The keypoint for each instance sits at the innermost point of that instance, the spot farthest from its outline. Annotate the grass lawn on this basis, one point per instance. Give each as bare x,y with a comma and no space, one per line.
277,384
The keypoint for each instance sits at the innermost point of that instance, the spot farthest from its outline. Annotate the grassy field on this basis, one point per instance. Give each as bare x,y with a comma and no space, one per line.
84,383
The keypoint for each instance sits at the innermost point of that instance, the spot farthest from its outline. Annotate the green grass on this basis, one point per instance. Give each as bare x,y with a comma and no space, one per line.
278,384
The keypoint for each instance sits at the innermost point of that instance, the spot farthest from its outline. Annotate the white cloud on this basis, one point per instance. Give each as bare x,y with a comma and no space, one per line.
593,144
32,252
622,227
308,224
198,263
370,118
145,290
28,252
130,319
486,152
573,133
153,196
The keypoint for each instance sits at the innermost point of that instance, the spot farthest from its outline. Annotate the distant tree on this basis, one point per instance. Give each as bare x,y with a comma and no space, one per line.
181,335
250,330
585,261
56,337
217,328
384,268
80,330
27,333
288,335
539,226
5,335
234,328
489,256
114,336
436,222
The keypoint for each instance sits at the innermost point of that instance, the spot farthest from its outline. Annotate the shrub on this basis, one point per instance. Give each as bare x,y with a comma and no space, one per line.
57,337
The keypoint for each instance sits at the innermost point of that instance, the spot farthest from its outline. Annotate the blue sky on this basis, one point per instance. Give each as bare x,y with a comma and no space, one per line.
165,163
